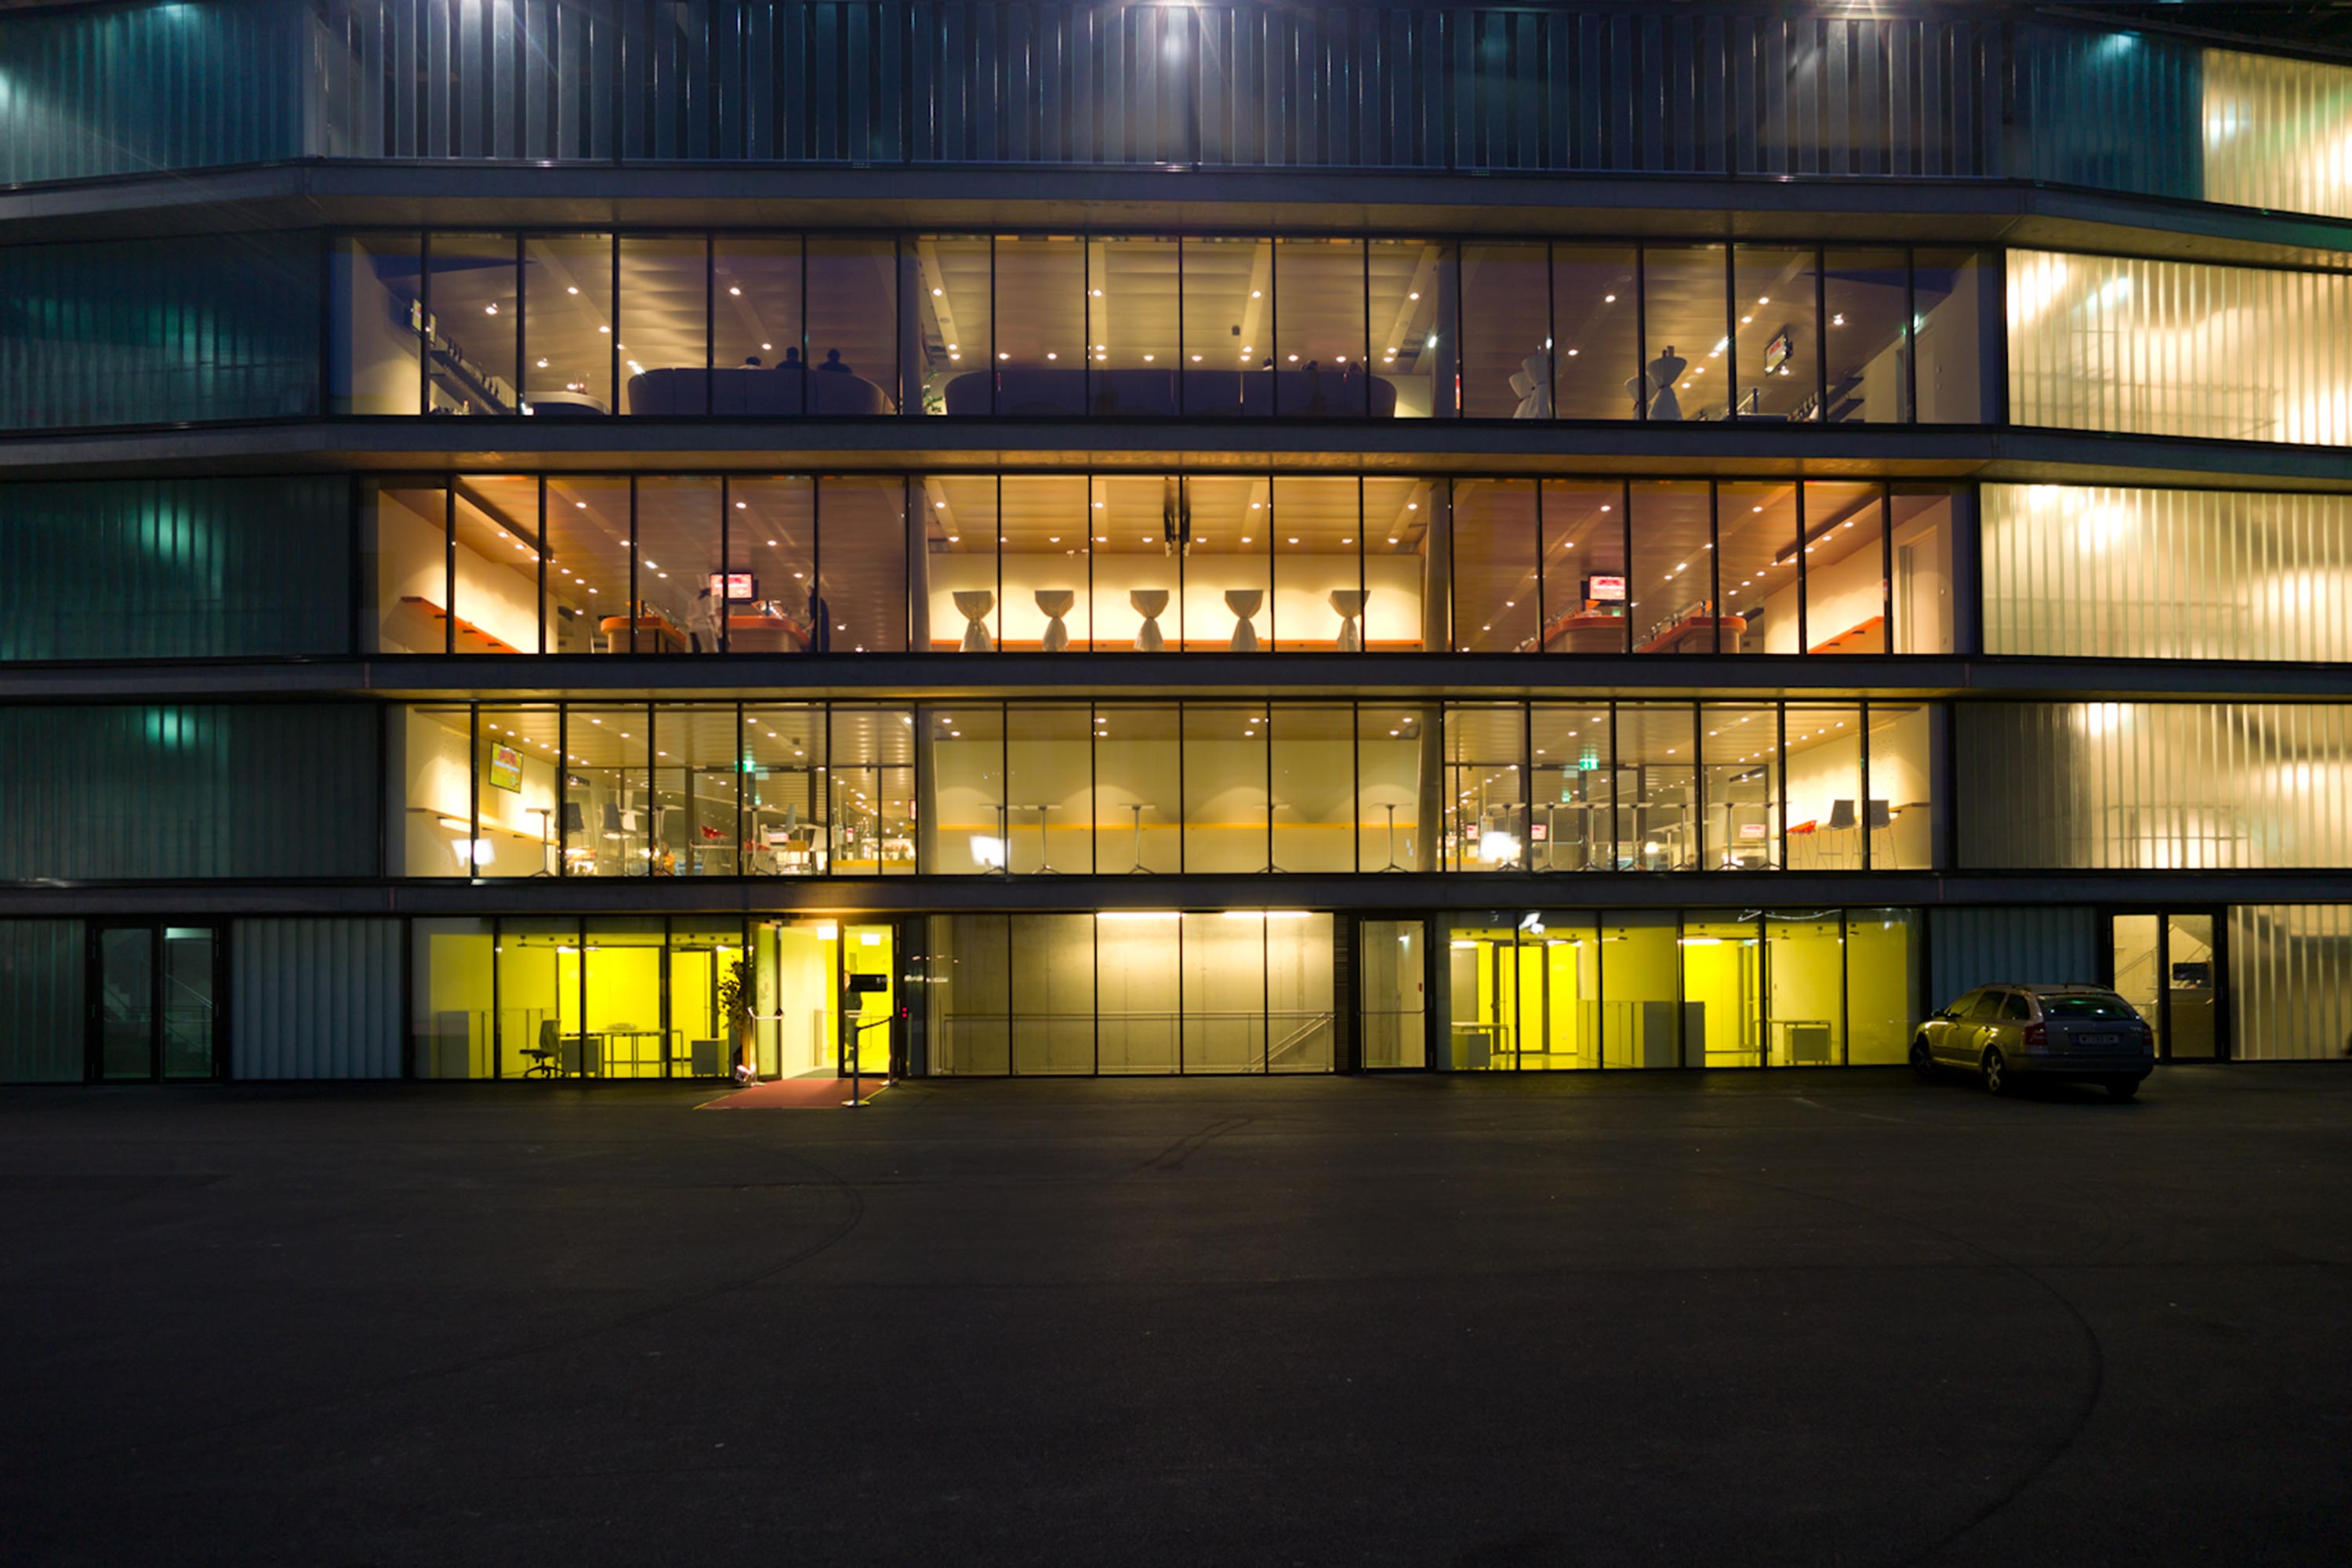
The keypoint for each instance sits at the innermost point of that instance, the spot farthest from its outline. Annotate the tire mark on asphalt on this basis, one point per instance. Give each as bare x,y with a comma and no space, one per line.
1173,1158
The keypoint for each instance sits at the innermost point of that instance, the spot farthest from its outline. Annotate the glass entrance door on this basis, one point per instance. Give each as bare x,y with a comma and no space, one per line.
156,1013
2167,967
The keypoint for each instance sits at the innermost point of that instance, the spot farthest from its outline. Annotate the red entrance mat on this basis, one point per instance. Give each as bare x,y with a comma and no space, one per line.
793,1094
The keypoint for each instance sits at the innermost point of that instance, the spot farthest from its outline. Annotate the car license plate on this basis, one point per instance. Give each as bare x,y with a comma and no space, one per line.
2099,1041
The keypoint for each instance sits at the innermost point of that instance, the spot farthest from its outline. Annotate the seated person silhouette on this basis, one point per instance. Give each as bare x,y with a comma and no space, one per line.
792,361
751,362
832,362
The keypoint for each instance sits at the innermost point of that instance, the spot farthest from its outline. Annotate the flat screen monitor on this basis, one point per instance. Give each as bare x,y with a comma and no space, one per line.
734,587
1605,590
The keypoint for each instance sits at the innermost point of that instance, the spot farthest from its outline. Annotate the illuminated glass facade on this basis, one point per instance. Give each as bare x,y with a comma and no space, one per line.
555,543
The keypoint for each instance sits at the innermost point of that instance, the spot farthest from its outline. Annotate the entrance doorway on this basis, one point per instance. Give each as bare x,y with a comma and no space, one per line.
802,967
2169,966
154,1009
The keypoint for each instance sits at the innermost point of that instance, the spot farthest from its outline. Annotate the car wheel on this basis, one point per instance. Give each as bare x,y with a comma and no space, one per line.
2126,1088
1922,1061
1996,1073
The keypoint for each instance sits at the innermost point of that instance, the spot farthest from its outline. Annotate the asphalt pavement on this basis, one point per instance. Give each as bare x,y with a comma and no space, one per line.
1789,1317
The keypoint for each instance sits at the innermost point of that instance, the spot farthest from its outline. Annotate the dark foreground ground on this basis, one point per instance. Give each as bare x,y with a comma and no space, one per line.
1799,1317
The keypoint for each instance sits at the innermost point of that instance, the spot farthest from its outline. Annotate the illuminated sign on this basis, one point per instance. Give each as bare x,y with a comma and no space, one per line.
1605,590
1776,352
506,768
733,585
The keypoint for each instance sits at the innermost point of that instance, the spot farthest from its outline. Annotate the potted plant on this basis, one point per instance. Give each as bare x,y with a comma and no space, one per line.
736,991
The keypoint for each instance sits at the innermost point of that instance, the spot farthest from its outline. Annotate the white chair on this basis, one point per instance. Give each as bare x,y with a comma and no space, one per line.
1842,821
1881,817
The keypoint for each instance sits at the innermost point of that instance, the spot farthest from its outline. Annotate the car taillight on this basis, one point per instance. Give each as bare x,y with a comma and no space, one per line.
2037,1038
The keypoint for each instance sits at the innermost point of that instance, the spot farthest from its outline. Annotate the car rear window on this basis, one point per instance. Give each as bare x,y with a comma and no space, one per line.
2086,1007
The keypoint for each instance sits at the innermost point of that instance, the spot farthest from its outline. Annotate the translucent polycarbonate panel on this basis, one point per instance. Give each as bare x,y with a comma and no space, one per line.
2278,133
2154,786
142,331
2290,980
2094,571
2172,348
143,789
41,970
969,994
175,568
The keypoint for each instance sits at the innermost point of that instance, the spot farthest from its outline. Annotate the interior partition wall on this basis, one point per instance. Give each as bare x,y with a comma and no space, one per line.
1128,992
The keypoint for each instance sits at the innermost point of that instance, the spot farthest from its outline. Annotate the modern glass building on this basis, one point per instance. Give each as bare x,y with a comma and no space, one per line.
1145,537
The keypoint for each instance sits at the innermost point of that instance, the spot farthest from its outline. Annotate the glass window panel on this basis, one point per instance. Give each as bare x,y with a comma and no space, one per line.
1926,522
1052,994
1229,304
756,317
663,323
955,302
1597,360
1224,991
1139,769
1225,766
471,343
702,953
1048,782
1138,987
1584,587
437,791
960,571
518,769
451,1019
185,1031
1902,816
853,313
1041,326
795,1028
410,565
1131,325
863,557
568,328
609,781
1507,370
1671,597
1845,569
1657,819
972,823
1823,787
1642,1016
1776,343
1397,777
1139,522
1883,1000
783,794
1486,781
1041,528
625,1019
588,567
871,777
1411,283
1723,980
1229,570
1562,952
1570,794
1485,1010
772,540
498,564
970,1027
1496,604
1404,609
374,283
1806,960
1685,330
1755,558
871,1041
1319,599
696,759
1740,793
1957,345
678,564
1301,1027
1316,826
538,1033
1391,994
1866,294
1320,368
